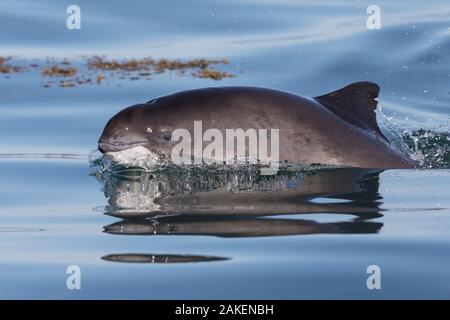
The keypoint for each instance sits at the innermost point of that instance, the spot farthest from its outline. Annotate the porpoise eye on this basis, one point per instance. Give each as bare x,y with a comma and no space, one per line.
167,136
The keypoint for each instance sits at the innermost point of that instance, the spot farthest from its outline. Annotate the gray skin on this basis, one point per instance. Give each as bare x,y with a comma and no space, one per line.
337,129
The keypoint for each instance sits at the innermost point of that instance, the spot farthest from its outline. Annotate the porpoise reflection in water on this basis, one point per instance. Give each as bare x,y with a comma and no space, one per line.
235,203
159,258
240,192
231,227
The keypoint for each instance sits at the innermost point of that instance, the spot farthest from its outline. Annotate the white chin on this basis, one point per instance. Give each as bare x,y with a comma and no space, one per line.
134,157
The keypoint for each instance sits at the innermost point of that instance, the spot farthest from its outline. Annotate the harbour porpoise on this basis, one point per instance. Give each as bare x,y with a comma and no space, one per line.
337,129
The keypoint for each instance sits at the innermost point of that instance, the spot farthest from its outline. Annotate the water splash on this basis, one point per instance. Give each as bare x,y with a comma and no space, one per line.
135,163
433,148
430,147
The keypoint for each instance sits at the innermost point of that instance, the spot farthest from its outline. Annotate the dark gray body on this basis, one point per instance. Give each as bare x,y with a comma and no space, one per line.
336,129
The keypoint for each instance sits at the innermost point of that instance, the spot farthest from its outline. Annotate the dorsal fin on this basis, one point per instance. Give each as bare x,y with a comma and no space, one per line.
355,104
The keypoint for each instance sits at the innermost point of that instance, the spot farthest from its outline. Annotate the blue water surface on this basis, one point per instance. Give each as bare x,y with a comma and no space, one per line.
53,213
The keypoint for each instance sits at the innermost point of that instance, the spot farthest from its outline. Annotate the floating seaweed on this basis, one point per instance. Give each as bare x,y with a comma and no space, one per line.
212,74
8,68
98,69
57,71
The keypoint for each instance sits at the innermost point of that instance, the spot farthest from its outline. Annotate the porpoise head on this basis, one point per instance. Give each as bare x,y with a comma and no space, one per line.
131,128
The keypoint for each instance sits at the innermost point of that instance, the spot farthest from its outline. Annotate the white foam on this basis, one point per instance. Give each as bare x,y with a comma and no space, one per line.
134,157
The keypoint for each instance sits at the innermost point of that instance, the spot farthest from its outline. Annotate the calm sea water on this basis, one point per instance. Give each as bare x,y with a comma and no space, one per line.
233,235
